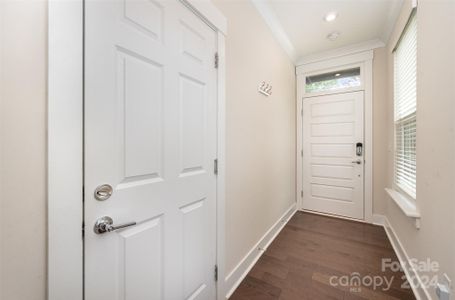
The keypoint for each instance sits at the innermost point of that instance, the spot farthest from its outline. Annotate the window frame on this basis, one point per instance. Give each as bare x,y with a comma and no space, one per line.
361,87
398,188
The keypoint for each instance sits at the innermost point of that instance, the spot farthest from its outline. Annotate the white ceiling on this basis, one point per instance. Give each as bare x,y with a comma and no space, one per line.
300,27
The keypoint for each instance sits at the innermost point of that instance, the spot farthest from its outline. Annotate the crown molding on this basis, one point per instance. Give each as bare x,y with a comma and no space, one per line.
392,17
270,18
342,51
275,26
405,13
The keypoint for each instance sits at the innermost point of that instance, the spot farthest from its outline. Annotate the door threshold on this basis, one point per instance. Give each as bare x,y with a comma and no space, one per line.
334,216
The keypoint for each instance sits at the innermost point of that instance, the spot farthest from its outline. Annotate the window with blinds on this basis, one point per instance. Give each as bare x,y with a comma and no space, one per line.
405,79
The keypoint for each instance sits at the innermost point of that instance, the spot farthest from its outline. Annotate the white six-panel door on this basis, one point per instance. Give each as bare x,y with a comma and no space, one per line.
150,133
332,171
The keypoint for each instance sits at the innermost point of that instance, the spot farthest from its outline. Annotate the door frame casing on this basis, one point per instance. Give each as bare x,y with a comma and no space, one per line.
65,163
364,60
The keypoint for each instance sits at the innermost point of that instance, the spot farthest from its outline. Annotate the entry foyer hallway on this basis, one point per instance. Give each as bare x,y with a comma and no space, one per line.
178,149
312,252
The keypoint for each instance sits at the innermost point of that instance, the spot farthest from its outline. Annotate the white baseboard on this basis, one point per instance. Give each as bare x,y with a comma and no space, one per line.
421,291
234,278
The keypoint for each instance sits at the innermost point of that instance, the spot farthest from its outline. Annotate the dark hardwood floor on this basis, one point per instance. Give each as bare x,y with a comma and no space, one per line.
318,257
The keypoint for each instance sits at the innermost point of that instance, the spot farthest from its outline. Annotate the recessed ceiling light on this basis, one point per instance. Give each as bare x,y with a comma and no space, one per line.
337,75
333,35
331,16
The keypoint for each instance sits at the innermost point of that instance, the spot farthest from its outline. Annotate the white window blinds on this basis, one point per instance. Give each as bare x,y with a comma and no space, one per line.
405,78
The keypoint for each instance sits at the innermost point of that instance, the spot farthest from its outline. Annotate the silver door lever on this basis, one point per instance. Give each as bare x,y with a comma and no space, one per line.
357,161
104,224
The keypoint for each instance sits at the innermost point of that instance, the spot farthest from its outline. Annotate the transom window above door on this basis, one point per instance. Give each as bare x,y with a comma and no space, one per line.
333,81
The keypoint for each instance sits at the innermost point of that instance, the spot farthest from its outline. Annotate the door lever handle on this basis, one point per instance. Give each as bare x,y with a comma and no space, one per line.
359,161
105,224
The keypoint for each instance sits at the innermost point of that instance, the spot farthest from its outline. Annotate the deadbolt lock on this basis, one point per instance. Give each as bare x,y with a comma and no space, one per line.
103,192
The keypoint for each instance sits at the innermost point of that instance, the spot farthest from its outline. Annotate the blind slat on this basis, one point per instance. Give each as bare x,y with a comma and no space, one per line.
405,94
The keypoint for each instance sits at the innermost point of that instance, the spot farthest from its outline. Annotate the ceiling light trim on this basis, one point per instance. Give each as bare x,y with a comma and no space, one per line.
275,26
331,16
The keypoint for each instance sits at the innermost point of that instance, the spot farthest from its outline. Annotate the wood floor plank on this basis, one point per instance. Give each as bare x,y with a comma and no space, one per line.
312,252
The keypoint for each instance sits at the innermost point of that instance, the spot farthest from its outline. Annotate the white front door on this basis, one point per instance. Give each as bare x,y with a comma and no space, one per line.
150,133
332,167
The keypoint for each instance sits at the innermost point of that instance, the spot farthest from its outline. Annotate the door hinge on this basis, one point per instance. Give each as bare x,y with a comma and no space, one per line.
216,60
216,272
301,153
301,112
83,230
301,194
215,166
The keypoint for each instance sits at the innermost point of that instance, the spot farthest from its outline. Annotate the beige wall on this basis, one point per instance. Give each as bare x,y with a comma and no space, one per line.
435,137
380,100
260,140
23,151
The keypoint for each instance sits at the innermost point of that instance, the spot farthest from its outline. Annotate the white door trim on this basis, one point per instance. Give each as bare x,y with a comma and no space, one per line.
365,61
65,144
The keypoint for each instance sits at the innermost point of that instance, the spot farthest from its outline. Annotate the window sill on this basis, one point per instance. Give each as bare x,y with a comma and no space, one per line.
408,207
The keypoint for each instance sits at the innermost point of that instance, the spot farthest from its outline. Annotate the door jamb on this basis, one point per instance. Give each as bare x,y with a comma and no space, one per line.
65,144
365,61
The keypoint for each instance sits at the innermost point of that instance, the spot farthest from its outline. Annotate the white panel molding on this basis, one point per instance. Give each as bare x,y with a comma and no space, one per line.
65,144
235,277
275,26
340,52
420,291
